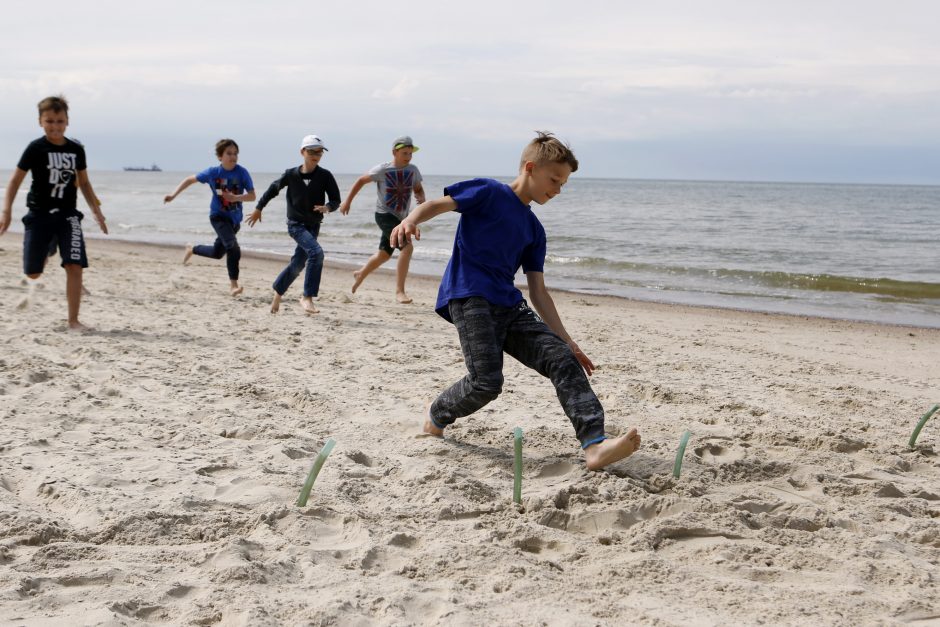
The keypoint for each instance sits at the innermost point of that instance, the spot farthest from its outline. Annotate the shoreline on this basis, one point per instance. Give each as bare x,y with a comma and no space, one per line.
388,269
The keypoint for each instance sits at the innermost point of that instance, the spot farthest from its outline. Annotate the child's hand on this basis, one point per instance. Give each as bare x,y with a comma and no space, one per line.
5,220
168,198
344,207
324,209
401,235
583,359
99,218
254,217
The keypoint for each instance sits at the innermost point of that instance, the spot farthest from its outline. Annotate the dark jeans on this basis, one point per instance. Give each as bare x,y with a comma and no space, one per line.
308,253
226,245
487,331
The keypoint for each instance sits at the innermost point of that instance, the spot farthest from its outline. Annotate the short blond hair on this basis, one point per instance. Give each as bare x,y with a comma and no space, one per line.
546,148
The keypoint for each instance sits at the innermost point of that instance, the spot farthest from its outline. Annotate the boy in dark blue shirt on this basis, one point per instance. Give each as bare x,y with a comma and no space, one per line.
58,169
498,233
231,185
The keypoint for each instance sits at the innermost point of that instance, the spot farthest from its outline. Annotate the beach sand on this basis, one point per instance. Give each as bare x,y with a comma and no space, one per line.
149,469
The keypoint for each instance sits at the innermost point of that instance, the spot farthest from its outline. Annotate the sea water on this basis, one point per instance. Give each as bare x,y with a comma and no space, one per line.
863,252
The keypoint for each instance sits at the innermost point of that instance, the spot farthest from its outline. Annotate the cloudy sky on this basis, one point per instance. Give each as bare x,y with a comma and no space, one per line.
803,91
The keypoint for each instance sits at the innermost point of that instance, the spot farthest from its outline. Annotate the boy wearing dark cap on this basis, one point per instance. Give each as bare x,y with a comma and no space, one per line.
395,182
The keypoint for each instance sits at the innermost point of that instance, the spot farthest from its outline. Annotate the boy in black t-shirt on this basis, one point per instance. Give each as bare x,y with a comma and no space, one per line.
59,170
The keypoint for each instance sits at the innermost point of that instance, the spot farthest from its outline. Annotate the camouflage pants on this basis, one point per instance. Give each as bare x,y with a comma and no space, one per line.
487,331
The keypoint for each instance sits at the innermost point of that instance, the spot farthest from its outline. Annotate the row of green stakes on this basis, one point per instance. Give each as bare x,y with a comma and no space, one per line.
677,467
517,470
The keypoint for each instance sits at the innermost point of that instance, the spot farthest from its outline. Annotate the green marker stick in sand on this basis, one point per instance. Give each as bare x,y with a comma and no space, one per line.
314,471
682,443
920,425
517,483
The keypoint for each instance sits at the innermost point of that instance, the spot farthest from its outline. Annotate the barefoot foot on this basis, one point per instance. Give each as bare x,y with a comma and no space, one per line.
237,289
403,298
611,450
431,429
306,303
76,326
357,275
188,254
276,303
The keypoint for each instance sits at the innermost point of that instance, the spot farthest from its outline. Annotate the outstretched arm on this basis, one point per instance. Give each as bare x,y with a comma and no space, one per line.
401,234
186,182
93,203
6,216
545,306
358,185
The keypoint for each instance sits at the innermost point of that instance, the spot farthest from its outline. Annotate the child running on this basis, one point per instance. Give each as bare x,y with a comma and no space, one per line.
308,186
498,233
231,186
59,169
395,180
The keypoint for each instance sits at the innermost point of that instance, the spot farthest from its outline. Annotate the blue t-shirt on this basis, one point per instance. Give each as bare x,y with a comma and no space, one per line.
496,235
236,181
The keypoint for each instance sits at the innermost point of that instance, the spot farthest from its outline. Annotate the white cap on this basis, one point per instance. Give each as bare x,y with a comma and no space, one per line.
312,141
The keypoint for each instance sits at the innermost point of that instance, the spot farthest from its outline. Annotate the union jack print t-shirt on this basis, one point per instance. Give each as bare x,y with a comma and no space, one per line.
395,187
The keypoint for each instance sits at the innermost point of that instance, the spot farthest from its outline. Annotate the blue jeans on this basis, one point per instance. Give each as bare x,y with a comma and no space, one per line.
226,245
487,331
308,253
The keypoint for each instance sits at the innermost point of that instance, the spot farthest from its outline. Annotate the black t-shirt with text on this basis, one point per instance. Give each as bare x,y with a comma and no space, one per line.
54,170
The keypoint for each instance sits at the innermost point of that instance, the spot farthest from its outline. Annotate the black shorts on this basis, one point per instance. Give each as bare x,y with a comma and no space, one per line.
43,233
387,222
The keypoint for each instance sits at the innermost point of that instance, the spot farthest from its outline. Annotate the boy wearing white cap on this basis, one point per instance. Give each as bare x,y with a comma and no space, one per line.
308,187
395,181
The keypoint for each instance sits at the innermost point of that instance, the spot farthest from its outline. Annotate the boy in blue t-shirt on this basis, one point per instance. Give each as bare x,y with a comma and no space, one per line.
231,185
498,233
58,169
395,181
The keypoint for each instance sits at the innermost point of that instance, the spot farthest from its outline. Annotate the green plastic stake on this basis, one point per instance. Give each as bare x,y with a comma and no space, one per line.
920,425
678,465
314,471
517,483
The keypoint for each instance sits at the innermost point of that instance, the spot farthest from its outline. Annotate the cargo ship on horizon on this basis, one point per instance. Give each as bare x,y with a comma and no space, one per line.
153,168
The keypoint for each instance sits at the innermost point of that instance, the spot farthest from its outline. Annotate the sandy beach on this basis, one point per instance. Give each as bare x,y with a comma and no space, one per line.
149,469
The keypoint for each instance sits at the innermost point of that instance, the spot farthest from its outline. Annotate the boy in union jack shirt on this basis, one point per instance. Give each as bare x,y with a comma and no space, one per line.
395,181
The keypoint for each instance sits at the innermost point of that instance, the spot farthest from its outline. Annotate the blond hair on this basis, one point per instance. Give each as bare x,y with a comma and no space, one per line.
56,104
546,148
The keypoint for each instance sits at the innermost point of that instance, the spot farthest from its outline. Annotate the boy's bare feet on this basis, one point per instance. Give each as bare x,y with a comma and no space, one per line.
403,298
612,450
276,303
237,289
75,325
359,279
431,429
187,254
306,303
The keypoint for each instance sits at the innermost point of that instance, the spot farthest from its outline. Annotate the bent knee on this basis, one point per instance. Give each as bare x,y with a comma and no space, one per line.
488,389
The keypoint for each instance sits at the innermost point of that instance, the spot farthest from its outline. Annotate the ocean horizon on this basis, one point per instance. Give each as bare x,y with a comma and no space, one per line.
851,251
